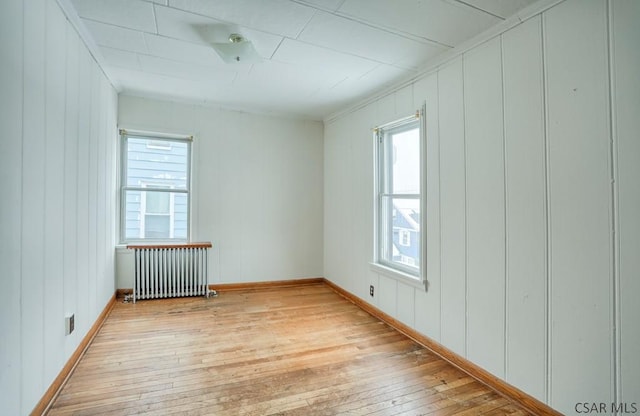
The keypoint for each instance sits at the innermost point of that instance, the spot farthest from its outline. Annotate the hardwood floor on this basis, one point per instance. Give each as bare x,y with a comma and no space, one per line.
289,351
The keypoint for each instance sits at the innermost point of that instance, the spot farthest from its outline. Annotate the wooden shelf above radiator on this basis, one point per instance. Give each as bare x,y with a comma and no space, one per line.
206,244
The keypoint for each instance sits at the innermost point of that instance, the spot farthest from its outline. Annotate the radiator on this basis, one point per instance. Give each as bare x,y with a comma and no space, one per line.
167,271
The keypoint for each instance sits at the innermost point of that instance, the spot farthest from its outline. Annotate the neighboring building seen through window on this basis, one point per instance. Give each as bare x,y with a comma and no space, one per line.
398,237
155,188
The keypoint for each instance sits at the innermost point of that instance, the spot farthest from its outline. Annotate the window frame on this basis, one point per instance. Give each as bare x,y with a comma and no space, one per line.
382,149
125,135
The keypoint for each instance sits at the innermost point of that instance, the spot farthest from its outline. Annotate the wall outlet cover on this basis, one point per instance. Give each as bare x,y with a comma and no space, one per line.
69,323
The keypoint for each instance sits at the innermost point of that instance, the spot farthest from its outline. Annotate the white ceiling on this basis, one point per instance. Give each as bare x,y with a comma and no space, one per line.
318,55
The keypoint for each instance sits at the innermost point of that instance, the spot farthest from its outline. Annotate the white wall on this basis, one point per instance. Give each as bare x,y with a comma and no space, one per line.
57,164
532,248
257,190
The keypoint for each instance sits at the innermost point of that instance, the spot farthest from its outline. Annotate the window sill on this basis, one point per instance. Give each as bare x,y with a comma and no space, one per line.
151,242
398,275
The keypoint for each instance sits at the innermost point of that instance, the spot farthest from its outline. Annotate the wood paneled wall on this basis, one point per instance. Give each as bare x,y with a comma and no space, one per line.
579,195
530,231
525,202
57,163
625,57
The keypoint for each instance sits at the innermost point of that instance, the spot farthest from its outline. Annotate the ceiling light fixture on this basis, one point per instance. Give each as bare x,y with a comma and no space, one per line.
237,50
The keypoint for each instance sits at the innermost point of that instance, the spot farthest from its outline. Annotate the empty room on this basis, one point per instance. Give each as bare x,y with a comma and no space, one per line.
320,207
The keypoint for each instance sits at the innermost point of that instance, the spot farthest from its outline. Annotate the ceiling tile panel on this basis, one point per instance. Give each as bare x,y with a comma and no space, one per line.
448,23
502,8
288,77
182,51
119,58
265,43
195,28
132,14
330,5
345,35
183,25
116,37
281,17
379,77
162,66
311,56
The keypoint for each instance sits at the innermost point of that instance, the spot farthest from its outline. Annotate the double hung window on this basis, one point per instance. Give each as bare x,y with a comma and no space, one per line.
399,167
155,187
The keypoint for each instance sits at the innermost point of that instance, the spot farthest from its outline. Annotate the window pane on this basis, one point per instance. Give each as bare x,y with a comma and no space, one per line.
180,216
400,231
132,207
148,163
386,229
406,161
157,226
157,202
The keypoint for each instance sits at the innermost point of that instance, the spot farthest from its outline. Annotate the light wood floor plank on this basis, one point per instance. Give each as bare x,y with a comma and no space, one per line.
287,351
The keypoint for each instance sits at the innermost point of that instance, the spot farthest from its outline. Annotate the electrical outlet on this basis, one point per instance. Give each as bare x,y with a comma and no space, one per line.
69,323
371,290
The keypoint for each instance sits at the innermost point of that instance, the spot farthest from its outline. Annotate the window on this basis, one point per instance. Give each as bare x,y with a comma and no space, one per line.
399,163
155,187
